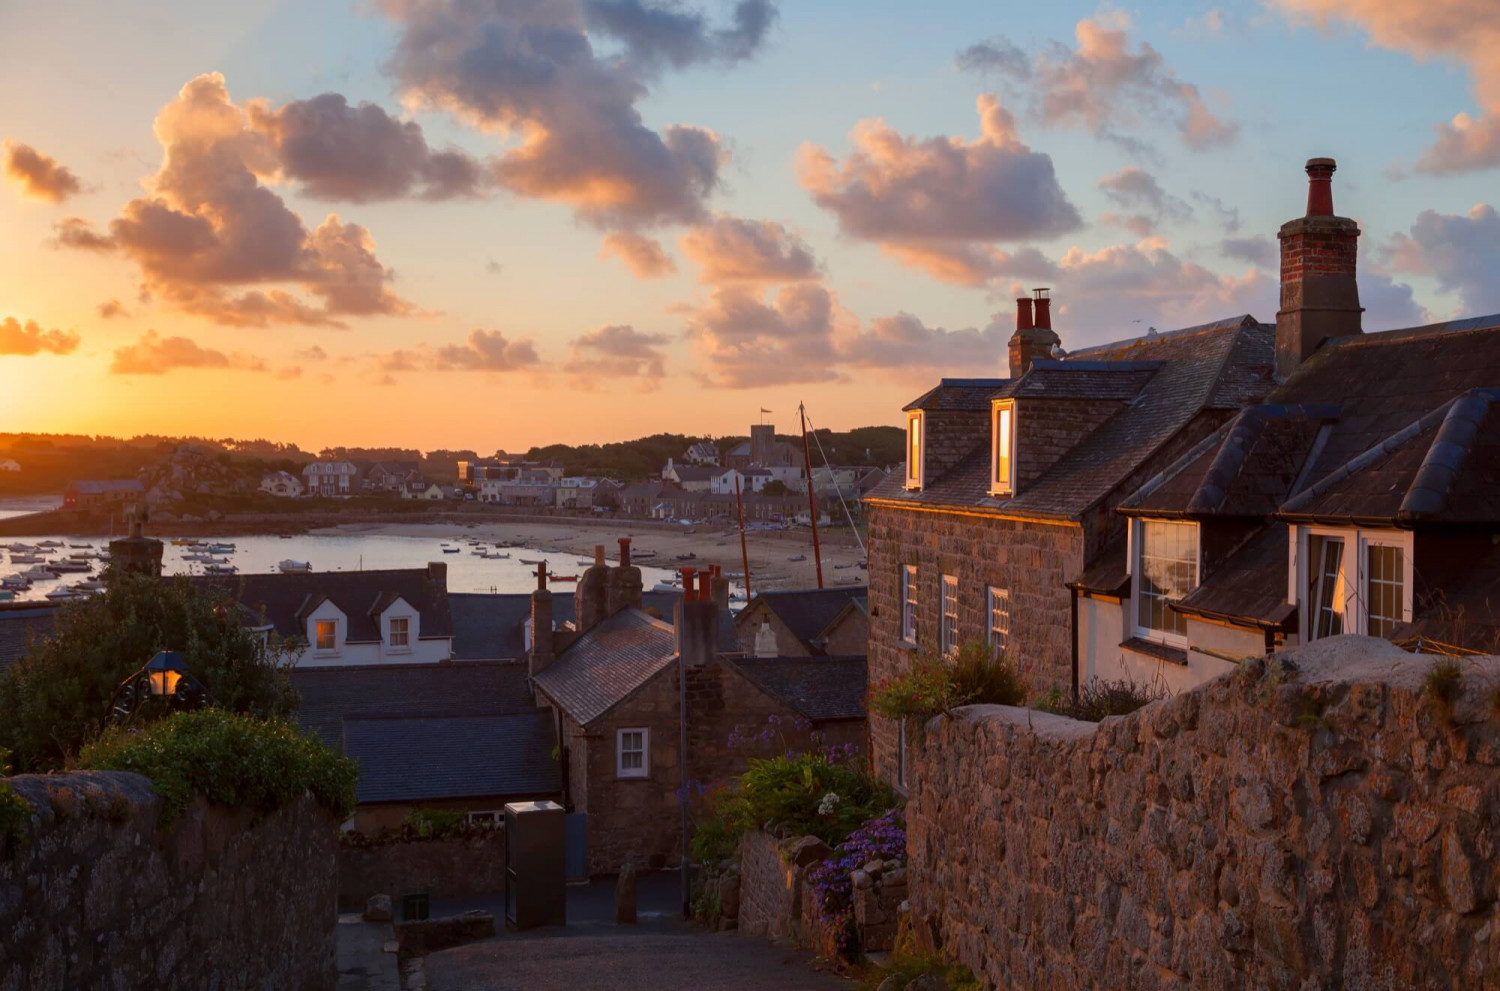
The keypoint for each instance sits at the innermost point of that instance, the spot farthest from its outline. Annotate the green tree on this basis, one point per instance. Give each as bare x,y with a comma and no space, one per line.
56,698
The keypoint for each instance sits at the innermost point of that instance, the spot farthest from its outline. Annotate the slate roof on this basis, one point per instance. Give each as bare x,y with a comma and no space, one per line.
607,664
285,600
492,626
20,624
1162,383
1249,588
487,756
958,394
820,688
807,612
329,695
1107,574
696,473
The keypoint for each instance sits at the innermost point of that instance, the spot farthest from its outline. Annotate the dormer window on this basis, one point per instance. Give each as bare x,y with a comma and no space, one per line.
914,450
1003,438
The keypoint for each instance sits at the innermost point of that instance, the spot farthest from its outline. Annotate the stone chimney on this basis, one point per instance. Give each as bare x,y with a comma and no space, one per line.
1319,294
1034,338
718,588
137,553
591,597
624,587
541,624
438,572
696,622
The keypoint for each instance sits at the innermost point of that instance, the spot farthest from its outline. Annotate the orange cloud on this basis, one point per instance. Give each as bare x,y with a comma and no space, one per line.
731,249
30,338
644,256
615,353
482,351
157,355
39,176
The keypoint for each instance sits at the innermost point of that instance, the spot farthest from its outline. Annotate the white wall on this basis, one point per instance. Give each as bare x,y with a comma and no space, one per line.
1102,628
420,652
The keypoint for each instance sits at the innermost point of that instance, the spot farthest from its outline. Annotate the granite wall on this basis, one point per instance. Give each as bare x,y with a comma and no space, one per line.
472,863
96,894
1313,820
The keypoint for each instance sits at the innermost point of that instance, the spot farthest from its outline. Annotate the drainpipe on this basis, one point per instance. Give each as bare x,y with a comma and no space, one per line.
1075,641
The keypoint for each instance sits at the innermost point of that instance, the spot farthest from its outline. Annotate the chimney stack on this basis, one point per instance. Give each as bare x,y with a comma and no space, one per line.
541,624
1034,338
624,586
1319,292
591,597
696,621
719,589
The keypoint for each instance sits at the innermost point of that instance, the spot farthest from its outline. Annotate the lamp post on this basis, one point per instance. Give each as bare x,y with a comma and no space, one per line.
164,678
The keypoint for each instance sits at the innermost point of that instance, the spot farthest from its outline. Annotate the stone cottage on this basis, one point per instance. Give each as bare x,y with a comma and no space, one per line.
805,623
615,685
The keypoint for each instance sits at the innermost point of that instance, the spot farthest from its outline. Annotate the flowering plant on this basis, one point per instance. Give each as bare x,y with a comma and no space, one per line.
880,838
975,673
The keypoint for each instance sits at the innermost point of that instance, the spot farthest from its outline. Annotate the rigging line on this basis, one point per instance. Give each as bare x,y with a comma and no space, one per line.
838,491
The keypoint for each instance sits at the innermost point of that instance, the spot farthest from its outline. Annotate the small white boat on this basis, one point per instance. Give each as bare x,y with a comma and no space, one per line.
90,585
664,587
21,548
50,543
38,574
845,580
198,557
797,557
82,547
502,557
70,567
27,559
62,593
220,569
293,567
82,556
15,583
221,548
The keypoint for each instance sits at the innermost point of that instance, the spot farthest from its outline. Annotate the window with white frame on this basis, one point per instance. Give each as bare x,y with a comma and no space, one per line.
1385,588
1166,569
998,605
914,450
1003,463
326,634
631,749
950,614
1327,589
909,603
1353,581
400,632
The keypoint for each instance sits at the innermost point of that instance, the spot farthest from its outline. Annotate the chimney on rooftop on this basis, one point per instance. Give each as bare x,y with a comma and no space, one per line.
696,621
591,597
541,624
624,586
1319,293
1034,338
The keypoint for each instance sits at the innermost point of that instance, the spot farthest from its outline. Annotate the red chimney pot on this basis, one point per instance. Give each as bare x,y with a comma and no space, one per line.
1043,306
541,576
687,583
1320,186
1023,313
624,552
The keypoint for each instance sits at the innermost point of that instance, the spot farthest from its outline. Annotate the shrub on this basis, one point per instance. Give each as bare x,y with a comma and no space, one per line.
235,760
976,675
56,698
14,810
789,790
1098,698
907,963
882,838
437,823
1442,684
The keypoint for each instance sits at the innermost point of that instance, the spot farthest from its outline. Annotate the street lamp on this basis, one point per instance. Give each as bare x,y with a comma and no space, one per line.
164,678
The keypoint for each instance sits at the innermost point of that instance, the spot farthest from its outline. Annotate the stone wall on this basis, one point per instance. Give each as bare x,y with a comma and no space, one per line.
1031,560
1314,820
455,867
96,894
770,889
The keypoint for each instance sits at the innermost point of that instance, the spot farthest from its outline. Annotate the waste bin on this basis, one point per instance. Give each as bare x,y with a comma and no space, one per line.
535,865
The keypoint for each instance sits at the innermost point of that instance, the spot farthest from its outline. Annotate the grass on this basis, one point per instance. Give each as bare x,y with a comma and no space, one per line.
1442,684
231,759
14,810
1099,698
907,964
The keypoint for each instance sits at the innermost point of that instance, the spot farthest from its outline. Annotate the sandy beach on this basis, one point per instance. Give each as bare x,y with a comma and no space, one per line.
769,550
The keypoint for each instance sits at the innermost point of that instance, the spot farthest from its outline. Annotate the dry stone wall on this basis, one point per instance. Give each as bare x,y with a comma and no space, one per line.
472,863
1311,821
97,895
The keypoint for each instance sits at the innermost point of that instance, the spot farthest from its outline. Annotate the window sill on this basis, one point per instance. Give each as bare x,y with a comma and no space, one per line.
632,777
398,650
1160,651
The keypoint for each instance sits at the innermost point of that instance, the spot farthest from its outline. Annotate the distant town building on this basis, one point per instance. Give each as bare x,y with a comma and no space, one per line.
805,623
330,479
692,478
509,469
389,476
82,494
763,450
702,453
9,464
280,483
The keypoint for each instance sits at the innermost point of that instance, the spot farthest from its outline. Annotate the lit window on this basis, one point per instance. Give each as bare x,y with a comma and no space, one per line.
950,615
1326,589
909,603
1166,570
914,451
999,609
1385,584
630,752
1003,477
327,634
401,632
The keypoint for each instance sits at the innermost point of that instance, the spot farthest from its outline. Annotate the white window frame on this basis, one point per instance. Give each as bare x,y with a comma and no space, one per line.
1006,485
915,448
997,603
950,618
621,771
909,604
317,639
1134,550
1356,571
405,646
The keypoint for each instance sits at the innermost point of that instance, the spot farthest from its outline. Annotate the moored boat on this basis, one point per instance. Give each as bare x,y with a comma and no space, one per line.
294,567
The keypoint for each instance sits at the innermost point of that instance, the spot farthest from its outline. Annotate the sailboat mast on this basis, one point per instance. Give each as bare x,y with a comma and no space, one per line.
744,549
812,499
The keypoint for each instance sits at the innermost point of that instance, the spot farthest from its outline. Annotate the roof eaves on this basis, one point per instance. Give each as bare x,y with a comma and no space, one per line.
1428,494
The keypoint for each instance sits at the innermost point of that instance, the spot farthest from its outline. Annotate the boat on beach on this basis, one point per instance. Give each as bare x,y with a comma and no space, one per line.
562,578
70,567
220,569
38,574
528,560
27,558
294,567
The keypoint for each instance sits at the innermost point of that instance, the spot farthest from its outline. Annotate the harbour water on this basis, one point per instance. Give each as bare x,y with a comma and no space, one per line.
467,571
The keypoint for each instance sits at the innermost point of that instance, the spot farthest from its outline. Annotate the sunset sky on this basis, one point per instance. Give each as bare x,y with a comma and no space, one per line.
497,223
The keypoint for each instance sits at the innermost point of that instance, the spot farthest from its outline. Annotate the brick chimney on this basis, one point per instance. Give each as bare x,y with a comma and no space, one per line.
1319,294
624,587
591,597
696,621
541,624
1034,338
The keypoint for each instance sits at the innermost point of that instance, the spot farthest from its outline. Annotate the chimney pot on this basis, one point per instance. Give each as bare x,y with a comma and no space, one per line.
1043,310
687,582
598,555
624,552
1023,313
541,576
1320,186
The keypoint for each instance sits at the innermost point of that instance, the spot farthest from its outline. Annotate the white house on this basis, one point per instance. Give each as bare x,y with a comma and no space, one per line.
280,483
330,478
749,480
349,618
702,453
9,464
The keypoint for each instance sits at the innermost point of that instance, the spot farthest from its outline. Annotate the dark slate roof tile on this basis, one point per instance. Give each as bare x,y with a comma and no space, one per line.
1250,586
605,665
807,612
820,688
21,624
421,759
492,626
958,394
